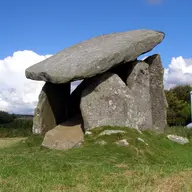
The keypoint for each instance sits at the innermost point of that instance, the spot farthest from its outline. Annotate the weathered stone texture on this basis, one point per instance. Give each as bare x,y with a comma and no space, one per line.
158,98
43,119
109,101
94,56
138,84
178,139
103,101
65,136
52,108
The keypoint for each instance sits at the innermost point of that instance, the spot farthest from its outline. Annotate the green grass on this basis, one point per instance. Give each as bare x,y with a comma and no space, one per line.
14,132
161,166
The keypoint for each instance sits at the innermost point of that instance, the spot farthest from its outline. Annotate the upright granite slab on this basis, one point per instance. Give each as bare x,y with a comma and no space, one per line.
158,98
94,56
103,102
43,119
107,100
52,107
138,83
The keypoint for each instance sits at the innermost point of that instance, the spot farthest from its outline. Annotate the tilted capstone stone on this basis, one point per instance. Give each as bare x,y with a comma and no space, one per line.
94,56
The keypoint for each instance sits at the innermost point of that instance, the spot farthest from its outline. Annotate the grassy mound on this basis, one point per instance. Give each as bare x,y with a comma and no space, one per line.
162,165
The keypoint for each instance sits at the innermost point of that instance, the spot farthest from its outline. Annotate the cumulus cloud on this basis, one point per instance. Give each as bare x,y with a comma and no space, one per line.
20,95
178,72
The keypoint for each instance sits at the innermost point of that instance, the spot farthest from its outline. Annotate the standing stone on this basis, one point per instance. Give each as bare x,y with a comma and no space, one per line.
52,107
103,102
107,100
43,119
158,99
138,84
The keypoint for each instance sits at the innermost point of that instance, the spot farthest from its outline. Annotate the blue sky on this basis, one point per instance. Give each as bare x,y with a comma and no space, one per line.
31,31
47,27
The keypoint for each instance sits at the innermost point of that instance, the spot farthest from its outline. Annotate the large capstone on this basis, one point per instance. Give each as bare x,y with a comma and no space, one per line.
158,99
52,108
108,100
94,56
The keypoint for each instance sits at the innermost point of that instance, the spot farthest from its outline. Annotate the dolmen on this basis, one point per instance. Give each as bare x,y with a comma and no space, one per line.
117,89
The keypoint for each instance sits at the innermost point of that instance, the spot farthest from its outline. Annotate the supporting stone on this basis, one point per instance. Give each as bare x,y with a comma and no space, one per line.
52,108
103,102
139,85
107,100
158,99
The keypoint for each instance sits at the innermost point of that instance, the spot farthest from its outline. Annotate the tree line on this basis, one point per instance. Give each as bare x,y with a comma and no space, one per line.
5,117
179,109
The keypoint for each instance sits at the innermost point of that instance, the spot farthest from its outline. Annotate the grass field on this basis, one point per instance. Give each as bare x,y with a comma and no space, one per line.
160,166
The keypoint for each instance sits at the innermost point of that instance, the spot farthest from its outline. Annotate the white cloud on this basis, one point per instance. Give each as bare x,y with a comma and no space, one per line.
18,94
178,72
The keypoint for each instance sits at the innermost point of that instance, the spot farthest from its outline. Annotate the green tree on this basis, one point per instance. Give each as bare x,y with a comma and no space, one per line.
178,99
182,92
6,117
